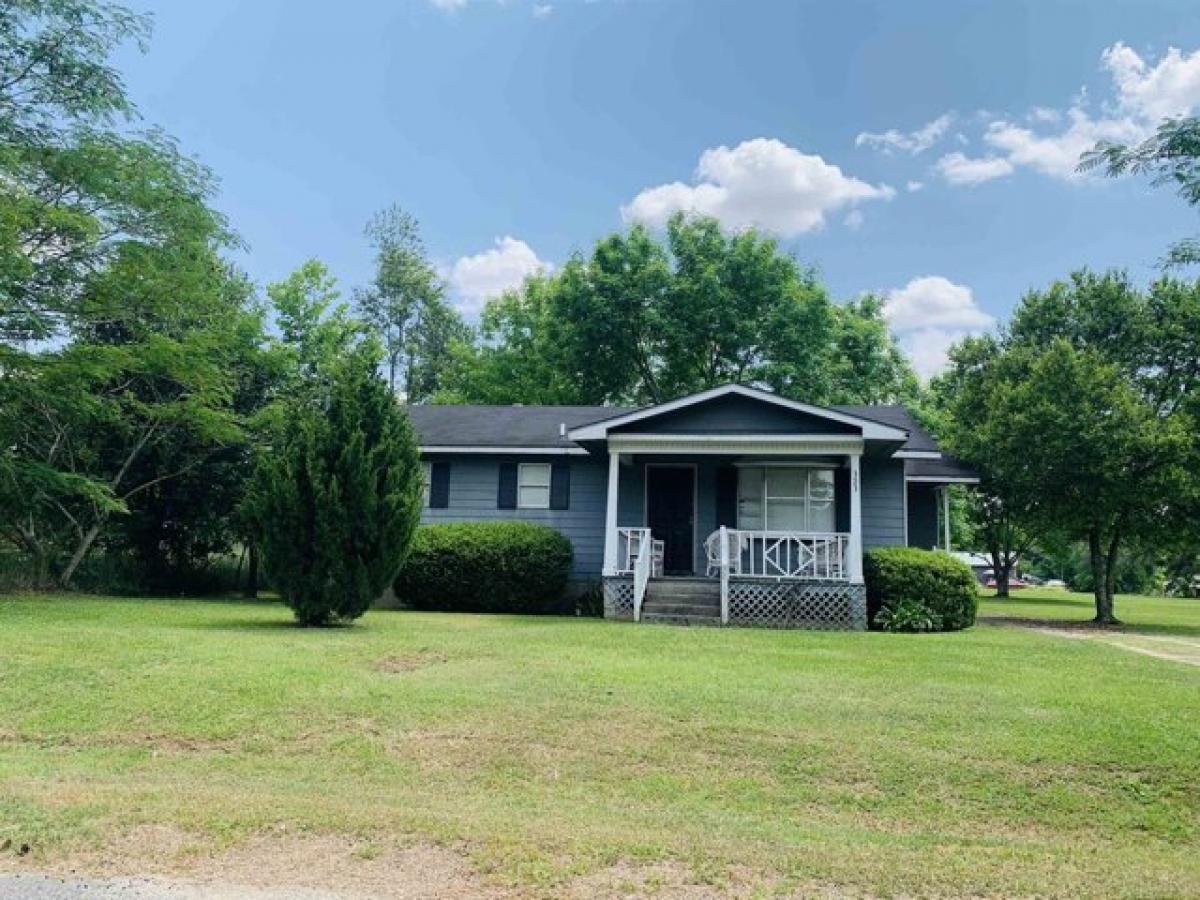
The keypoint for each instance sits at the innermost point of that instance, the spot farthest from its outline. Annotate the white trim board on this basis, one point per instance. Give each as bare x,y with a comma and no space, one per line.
942,479
871,430
727,444
512,451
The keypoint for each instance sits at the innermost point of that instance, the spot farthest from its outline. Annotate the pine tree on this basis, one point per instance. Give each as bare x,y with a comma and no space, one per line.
337,502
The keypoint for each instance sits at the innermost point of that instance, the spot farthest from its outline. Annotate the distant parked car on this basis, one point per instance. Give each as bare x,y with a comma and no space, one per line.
1014,584
1055,583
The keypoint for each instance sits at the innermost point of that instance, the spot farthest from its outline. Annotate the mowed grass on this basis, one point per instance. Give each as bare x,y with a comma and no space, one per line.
997,761
1139,614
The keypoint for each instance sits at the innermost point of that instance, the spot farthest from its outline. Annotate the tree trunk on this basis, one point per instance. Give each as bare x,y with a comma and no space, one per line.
1099,575
81,551
1003,573
39,556
1107,615
251,592
1000,570
1104,575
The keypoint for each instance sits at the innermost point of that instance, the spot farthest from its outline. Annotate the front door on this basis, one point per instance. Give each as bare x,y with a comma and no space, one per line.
671,514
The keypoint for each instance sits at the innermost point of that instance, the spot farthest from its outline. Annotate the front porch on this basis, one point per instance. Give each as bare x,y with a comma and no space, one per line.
759,498
777,538
772,579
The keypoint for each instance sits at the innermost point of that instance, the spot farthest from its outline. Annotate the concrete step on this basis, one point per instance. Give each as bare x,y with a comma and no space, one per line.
680,608
701,588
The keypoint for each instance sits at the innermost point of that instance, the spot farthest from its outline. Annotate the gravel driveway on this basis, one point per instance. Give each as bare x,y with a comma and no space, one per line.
53,887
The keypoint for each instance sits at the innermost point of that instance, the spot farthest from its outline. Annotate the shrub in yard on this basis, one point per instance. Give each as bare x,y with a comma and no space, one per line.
337,500
919,590
514,567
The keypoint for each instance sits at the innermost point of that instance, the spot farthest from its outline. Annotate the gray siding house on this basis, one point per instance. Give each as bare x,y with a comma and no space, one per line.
732,504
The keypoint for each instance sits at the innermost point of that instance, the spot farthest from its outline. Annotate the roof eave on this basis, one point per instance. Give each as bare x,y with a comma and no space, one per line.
871,430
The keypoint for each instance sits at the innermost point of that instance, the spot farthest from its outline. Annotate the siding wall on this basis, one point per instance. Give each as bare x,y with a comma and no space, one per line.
474,482
882,502
736,415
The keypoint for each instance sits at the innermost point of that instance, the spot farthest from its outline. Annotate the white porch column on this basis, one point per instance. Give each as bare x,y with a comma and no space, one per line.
855,550
946,518
610,515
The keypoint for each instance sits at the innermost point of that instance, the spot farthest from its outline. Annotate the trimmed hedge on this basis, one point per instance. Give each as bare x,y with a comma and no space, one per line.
509,567
918,590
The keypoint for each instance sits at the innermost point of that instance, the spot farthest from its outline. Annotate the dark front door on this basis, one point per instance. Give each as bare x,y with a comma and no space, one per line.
671,514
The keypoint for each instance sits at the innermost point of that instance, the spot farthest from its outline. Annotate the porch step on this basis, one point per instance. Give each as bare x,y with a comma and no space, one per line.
682,601
660,619
680,608
703,590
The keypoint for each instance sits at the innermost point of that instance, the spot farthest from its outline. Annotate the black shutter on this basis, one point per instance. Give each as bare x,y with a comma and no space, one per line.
439,485
560,486
727,489
506,497
841,499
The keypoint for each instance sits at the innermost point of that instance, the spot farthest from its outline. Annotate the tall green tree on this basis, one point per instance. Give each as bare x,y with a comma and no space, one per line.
338,497
315,326
153,372
1090,416
71,189
405,304
968,397
121,329
642,321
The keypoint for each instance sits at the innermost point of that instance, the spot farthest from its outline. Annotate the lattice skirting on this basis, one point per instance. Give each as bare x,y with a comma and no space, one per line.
618,597
797,604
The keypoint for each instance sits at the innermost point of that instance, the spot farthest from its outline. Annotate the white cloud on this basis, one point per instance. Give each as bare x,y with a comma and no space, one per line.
959,169
928,315
1171,88
929,349
853,220
913,186
1052,140
448,5
1058,154
913,142
475,279
541,10
760,183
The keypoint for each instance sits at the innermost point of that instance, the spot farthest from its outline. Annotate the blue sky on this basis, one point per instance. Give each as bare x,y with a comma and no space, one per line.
920,150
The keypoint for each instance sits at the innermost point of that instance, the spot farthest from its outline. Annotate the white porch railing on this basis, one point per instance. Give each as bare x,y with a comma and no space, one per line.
821,556
775,556
641,576
639,555
629,545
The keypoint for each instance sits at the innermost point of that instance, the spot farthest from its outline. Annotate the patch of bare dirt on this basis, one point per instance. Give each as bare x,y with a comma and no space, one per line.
159,860
1172,649
325,866
398,664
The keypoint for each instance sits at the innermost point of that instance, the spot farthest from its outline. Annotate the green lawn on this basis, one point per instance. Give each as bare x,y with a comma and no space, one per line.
997,761
1146,615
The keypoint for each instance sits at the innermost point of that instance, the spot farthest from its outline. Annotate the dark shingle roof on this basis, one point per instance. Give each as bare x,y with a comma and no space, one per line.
538,426
898,417
502,426
946,467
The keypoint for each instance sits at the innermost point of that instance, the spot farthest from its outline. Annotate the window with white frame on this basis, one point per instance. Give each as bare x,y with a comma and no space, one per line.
426,481
785,498
533,486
